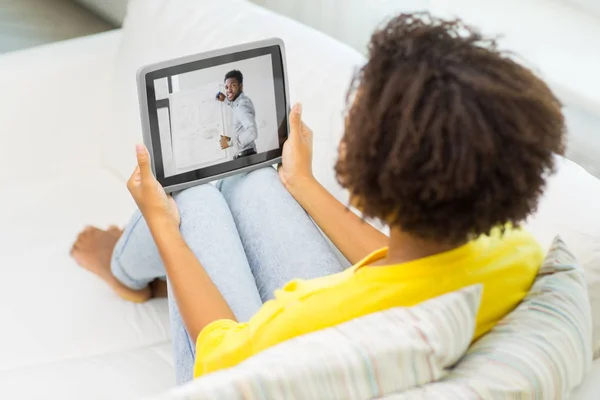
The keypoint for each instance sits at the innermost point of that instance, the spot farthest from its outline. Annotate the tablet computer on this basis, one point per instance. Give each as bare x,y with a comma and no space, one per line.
215,114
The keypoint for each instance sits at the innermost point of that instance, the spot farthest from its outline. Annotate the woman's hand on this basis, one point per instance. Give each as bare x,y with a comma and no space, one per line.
296,165
147,192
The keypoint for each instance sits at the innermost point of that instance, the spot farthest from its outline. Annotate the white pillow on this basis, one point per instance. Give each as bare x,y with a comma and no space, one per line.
367,357
570,207
541,350
319,67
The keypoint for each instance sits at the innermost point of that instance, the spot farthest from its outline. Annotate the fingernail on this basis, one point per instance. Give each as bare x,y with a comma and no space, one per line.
298,107
139,148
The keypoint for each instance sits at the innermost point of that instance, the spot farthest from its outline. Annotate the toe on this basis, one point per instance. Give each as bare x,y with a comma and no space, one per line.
81,241
83,234
75,253
88,230
90,233
86,239
76,246
77,242
115,231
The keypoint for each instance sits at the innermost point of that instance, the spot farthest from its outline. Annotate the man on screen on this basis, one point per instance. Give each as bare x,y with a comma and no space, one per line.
243,119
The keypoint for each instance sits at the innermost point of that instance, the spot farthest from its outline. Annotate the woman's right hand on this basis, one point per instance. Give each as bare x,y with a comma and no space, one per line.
148,194
296,165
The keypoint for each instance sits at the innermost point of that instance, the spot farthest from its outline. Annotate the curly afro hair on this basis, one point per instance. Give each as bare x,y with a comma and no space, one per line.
446,137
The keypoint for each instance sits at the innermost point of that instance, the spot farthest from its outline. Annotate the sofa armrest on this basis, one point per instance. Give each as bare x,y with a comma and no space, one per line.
54,106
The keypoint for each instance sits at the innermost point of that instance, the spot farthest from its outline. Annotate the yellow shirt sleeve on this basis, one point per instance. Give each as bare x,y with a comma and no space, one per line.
224,343
229,337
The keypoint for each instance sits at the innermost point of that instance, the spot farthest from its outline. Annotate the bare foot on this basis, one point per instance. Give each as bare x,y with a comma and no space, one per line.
93,250
115,230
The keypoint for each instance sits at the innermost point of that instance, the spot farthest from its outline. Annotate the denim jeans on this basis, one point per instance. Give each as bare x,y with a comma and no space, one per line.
250,236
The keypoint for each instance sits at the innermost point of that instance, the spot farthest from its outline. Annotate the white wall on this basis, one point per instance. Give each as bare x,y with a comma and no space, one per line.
583,145
557,38
350,21
585,5
111,10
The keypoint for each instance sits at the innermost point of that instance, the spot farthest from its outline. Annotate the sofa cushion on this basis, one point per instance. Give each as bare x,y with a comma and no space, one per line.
368,357
542,350
318,75
570,208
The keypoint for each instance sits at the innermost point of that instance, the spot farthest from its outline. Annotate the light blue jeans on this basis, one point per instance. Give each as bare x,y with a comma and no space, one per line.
250,236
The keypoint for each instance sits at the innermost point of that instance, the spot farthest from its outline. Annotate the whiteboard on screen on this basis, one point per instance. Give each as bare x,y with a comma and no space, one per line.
196,126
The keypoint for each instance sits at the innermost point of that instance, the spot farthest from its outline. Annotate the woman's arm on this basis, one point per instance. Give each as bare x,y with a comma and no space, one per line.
354,237
349,233
198,299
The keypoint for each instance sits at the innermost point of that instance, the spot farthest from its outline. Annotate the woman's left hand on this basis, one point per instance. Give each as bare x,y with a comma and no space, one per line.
296,165
147,192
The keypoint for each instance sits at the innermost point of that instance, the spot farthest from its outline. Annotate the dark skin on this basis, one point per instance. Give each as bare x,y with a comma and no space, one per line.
232,90
199,300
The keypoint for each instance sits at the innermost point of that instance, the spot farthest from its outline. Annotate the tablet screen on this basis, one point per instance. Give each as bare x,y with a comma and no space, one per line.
216,115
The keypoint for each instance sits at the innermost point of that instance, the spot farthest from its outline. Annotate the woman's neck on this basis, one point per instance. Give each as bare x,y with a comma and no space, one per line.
404,247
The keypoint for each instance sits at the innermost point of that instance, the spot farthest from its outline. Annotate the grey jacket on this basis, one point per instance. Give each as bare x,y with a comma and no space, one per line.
243,123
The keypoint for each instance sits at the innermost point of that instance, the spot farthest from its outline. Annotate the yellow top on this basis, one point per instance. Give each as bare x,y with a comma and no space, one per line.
506,265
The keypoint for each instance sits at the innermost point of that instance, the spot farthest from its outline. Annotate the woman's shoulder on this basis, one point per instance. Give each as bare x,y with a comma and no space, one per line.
515,244
509,235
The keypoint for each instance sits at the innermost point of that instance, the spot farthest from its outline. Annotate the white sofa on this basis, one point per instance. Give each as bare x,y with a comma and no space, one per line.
64,334
556,38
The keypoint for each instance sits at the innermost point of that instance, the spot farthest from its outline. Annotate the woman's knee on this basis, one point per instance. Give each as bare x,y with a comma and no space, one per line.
263,174
252,184
197,198
263,180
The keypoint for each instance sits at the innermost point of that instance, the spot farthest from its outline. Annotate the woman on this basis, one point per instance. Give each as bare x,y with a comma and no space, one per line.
447,140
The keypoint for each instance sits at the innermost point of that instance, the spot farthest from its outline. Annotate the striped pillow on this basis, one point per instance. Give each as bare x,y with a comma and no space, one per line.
542,350
365,358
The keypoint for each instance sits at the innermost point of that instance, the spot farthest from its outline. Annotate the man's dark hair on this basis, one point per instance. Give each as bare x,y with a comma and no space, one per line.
446,137
237,75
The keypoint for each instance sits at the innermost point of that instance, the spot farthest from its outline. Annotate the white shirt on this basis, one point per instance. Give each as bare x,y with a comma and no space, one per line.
243,123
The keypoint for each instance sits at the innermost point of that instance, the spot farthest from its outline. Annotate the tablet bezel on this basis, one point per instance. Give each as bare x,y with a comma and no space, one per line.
145,82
